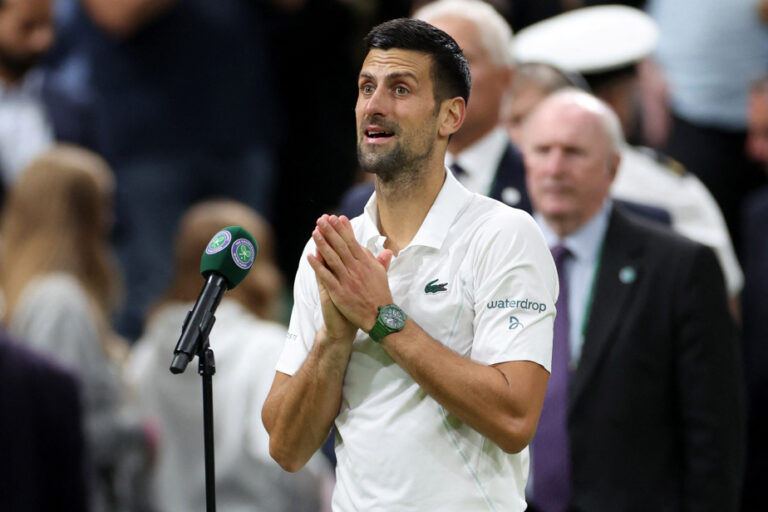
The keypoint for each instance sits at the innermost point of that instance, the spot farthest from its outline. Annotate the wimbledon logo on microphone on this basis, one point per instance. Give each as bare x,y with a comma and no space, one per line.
219,242
243,253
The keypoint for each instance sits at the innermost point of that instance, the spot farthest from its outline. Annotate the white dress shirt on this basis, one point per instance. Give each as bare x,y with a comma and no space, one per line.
585,246
25,130
480,161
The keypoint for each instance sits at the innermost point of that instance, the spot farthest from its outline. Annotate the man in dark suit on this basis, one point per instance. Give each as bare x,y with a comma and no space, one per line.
42,458
480,153
755,299
644,408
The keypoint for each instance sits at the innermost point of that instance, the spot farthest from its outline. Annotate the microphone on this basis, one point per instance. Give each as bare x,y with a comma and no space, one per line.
226,261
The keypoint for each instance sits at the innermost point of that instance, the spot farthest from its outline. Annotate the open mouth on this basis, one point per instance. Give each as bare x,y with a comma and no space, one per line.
377,134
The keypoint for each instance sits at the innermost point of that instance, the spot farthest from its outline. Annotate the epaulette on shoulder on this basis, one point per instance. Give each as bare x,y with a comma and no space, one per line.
665,161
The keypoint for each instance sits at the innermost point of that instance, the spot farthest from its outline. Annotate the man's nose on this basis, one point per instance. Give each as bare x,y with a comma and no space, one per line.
555,162
377,104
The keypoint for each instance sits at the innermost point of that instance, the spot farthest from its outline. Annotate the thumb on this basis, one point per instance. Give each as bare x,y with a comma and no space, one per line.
385,258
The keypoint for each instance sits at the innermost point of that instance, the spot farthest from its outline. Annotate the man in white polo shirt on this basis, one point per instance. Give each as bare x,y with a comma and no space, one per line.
423,328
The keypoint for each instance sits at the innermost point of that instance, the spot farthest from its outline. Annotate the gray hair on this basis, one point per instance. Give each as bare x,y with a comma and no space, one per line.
495,32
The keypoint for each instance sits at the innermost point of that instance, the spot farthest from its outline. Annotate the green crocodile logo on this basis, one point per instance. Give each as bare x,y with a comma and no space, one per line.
434,288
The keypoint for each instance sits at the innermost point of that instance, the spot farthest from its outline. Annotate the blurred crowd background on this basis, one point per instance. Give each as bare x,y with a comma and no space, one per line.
132,130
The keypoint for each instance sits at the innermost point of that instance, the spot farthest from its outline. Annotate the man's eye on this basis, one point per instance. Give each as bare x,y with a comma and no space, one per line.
367,89
401,90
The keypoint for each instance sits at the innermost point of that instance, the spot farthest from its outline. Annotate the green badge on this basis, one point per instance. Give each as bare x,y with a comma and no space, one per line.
219,242
243,253
627,275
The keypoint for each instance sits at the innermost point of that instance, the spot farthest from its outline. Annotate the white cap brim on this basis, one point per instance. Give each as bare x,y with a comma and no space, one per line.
589,40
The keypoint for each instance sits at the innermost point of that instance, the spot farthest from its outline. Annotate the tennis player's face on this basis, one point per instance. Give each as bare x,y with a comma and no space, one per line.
395,112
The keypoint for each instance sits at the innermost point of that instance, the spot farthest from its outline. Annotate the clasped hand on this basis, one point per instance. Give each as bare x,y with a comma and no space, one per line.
352,281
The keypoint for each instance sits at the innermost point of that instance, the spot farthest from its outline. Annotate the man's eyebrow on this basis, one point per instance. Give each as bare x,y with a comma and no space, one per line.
397,75
402,74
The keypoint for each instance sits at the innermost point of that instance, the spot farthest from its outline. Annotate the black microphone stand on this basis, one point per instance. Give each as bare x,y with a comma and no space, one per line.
206,368
194,340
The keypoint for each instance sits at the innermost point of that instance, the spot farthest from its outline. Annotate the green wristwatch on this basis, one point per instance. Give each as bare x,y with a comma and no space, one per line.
391,319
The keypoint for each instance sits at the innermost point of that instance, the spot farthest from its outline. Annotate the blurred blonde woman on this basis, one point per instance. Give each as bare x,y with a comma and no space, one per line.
60,285
246,346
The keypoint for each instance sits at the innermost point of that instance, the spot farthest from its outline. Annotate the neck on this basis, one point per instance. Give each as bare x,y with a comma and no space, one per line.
563,227
9,78
567,225
403,206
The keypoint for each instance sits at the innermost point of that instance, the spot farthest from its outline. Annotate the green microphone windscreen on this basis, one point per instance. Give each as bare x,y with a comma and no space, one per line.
231,253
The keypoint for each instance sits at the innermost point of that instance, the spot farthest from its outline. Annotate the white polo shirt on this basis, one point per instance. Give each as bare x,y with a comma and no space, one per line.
479,278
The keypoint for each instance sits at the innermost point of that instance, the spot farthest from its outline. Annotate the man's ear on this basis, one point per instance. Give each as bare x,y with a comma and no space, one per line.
507,77
614,163
451,117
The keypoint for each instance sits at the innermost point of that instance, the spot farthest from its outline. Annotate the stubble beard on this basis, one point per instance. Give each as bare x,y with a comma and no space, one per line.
16,67
398,167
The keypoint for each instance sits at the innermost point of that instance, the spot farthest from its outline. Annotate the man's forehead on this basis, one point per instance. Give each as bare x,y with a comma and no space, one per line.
27,7
397,61
573,120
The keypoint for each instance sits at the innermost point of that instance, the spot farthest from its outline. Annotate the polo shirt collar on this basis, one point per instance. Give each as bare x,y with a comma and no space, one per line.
451,199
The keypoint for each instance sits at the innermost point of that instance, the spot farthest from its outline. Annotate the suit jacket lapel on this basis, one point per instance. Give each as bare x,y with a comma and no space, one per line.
617,277
510,174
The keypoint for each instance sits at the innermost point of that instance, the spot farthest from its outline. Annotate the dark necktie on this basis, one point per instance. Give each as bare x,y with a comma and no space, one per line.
551,447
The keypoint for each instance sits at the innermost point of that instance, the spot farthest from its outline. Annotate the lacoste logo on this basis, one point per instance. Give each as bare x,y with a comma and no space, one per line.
434,288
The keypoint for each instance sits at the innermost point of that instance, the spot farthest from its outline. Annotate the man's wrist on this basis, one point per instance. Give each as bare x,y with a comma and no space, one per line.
325,337
390,319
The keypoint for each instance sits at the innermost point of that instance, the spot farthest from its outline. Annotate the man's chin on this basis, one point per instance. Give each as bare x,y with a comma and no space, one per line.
380,167
375,161
18,67
556,210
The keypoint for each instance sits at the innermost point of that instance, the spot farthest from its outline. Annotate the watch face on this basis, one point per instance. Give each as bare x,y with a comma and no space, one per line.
393,317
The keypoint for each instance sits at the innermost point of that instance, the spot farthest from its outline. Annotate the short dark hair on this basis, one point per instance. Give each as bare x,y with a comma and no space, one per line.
450,70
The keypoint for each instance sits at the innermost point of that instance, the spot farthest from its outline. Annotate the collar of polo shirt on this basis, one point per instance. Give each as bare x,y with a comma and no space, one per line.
450,201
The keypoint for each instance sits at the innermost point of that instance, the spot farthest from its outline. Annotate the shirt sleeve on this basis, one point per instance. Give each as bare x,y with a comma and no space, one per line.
516,289
306,318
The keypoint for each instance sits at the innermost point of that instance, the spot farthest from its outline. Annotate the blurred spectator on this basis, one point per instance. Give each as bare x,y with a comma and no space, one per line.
480,154
183,106
60,285
246,345
755,256
26,33
644,409
533,82
605,46
30,104
708,54
43,453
